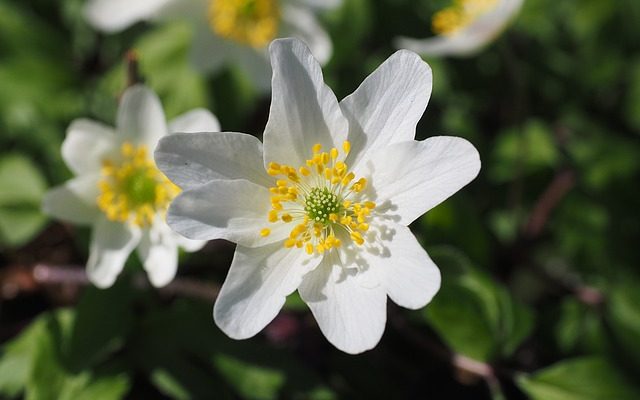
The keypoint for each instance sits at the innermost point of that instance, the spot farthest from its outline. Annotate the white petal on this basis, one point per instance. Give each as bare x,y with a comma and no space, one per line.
192,159
188,245
470,40
198,120
256,287
410,178
302,24
233,210
116,15
158,251
140,116
350,311
208,51
304,111
319,4
409,276
388,104
86,144
111,244
75,201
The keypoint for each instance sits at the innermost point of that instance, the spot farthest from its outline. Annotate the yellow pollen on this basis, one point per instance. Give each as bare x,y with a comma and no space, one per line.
250,22
132,189
459,15
265,232
321,199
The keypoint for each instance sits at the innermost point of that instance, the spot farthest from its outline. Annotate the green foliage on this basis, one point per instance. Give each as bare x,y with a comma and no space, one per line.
579,379
472,313
21,189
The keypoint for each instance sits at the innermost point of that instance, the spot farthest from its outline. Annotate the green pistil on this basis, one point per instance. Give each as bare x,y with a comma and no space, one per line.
320,203
141,188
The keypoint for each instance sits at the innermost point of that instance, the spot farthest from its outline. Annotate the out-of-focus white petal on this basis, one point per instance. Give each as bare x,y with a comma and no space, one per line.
197,120
469,40
189,245
350,307
111,244
75,200
223,209
208,51
388,104
116,15
192,159
256,287
302,23
317,4
86,144
159,254
140,118
410,178
304,111
405,270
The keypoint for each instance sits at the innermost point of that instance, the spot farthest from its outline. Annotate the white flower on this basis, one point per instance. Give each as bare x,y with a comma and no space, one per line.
226,31
119,191
324,206
464,28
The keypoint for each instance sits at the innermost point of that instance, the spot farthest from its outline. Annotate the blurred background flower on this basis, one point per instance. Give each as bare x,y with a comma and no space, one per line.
225,31
539,294
464,27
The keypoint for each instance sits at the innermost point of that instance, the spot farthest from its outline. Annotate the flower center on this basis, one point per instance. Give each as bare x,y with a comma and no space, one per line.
133,189
459,15
249,22
322,200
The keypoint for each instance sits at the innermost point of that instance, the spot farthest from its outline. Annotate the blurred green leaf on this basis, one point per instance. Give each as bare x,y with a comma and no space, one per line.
623,316
102,321
587,378
250,381
521,152
21,189
473,314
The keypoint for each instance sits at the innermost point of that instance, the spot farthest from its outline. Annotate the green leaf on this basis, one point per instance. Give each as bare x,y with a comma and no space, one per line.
103,319
623,317
21,189
472,313
587,378
250,381
525,151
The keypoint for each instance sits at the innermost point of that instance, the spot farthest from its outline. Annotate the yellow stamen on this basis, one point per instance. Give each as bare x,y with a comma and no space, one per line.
251,22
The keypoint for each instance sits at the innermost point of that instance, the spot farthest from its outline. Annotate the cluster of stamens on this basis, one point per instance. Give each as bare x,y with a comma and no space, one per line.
250,22
132,189
319,198
459,15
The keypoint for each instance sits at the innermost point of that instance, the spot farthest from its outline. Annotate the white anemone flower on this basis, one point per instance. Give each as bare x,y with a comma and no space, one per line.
464,28
120,192
226,31
323,206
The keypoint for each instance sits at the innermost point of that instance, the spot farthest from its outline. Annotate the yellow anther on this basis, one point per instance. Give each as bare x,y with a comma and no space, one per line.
346,203
265,232
273,216
274,165
289,243
325,158
334,153
346,146
370,205
357,237
286,218
282,182
363,227
304,171
320,248
309,248
316,148
333,217
327,173
348,178
273,172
